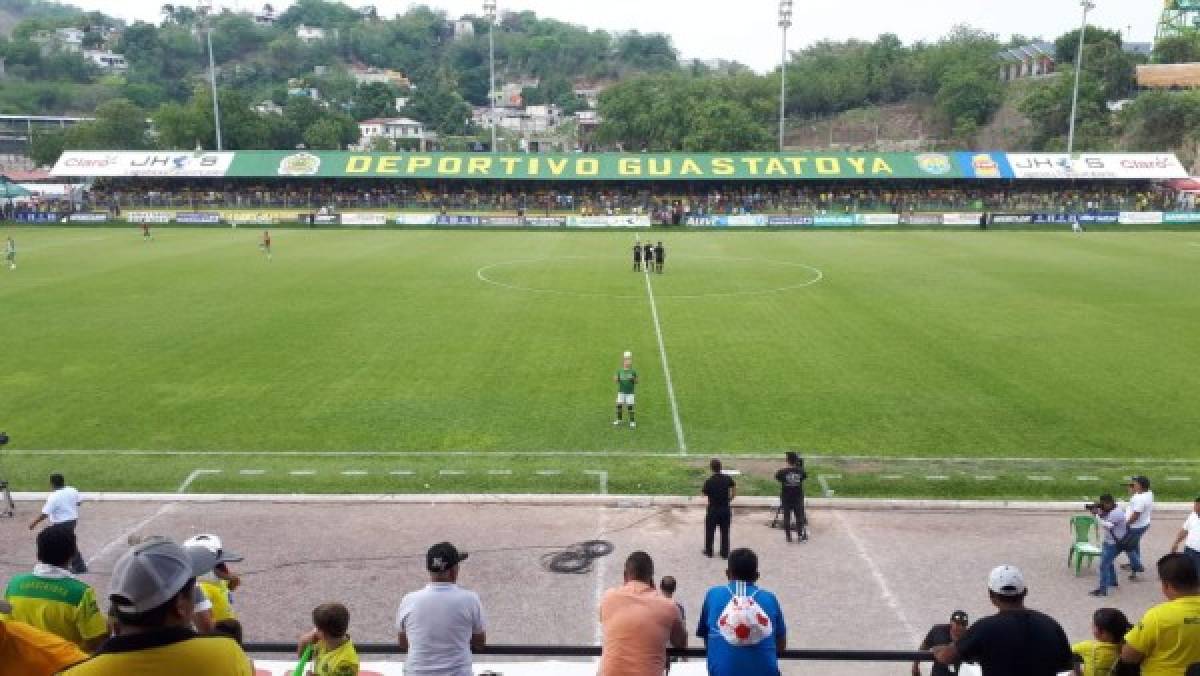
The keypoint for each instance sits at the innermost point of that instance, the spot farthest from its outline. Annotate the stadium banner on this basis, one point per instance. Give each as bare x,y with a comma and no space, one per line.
36,217
984,165
1053,219
961,219
1107,217
326,219
1142,217
836,220
1182,217
89,217
877,219
238,218
1011,219
608,222
197,218
364,219
81,164
595,167
920,219
1121,166
739,221
448,219
148,217
786,221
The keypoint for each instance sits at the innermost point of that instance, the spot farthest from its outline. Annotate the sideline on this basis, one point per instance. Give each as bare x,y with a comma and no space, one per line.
662,351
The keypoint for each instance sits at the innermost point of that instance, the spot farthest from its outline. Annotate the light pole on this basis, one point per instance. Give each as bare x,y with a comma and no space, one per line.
785,22
1087,5
205,8
489,8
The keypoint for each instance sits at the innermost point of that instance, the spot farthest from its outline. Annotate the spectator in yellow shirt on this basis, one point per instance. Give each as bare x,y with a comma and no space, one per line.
334,652
1097,656
1167,640
29,651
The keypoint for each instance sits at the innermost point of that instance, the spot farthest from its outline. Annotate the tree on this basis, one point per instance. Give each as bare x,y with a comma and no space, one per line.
374,99
45,146
1178,49
1161,119
1067,45
324,135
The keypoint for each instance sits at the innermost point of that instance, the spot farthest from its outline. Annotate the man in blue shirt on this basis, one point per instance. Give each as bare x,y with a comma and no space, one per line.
757,655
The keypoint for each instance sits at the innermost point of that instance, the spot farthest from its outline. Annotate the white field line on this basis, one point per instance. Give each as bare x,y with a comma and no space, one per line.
303,472
936,477
123,538
985,477
252,472
772,455
601,568
662,351
1039,477
824,482
196,474
401,472
549,472
1087,477
892,477
451,472
1179,478
888,597
354,472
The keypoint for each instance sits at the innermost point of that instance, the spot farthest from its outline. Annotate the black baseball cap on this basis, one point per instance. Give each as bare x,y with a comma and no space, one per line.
442,557
959,617
1140,480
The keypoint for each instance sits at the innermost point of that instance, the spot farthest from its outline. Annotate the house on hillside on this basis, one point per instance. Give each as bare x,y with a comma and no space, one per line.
1032,60
463,29
589,92
401,132
268,107
266,16
106,60
309,33
367,75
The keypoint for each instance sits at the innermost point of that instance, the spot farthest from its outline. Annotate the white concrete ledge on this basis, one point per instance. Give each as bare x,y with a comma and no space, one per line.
593,500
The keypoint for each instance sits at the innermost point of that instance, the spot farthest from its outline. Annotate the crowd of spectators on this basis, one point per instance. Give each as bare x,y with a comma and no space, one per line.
170,611
689,199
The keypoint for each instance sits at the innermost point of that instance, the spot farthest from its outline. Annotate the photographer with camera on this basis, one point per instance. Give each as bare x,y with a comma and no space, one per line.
1112,522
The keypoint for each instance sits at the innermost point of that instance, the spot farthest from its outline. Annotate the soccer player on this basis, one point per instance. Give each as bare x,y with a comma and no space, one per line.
648,254
626,379
660,255
10,253
637,257
146,236
266,243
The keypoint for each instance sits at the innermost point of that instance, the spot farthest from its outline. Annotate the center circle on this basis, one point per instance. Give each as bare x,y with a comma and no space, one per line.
684,277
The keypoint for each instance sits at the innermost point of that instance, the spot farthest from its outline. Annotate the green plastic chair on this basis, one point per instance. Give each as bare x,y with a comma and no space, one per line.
1084,546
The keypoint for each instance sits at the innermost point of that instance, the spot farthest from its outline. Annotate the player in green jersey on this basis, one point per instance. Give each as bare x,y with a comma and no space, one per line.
10,253
626,379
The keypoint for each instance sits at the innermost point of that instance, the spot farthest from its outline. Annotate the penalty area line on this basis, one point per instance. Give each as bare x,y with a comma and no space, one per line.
662,351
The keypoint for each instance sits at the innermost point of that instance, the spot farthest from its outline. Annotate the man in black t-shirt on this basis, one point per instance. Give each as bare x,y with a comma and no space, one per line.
660,256
637,257
791,496
1016,641
721,490
943,634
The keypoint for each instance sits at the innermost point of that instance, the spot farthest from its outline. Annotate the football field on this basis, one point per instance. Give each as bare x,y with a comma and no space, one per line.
1023,364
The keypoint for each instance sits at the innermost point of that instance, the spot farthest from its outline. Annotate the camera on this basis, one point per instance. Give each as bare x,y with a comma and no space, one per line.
3,438
1091,506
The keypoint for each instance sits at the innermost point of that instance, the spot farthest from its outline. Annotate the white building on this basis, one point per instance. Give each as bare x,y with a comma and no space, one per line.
106,60
309,33
70,39
367,75
463,29
268,108
394,129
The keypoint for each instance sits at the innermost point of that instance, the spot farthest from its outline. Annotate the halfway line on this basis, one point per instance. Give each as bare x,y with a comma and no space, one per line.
662,351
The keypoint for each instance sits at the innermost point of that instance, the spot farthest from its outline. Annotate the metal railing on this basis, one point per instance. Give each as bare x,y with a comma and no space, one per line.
594,651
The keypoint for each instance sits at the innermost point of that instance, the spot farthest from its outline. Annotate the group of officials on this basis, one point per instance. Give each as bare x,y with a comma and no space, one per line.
652,255
721,489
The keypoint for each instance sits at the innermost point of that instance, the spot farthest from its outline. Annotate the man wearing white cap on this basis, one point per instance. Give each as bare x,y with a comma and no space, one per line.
626,380
219,589
1016,641
151,594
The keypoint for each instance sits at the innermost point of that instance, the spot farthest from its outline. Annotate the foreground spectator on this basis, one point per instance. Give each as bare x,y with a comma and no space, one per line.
1167,639
54,600
151,594
1016,641
29,651
441,624
1099,656
943,634
1139,513
62,507
637,622
219,588
741,624
1189,536
333,652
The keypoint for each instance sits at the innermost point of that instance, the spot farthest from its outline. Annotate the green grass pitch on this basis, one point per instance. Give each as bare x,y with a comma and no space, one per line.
970,348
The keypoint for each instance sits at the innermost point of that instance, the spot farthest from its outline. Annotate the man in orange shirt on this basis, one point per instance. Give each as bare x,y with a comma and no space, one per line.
32,652
637,622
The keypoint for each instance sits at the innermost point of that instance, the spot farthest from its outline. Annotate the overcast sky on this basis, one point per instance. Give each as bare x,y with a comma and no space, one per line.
745,30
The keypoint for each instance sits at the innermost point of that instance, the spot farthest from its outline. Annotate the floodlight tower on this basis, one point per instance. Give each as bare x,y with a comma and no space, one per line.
1087,6
785,22
489,9
1179,17
205,9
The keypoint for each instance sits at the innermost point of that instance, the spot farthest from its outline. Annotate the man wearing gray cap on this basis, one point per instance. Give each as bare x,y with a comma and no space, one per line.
440,625
151,593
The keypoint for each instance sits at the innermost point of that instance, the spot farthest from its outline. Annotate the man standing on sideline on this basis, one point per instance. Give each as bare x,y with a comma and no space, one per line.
730,653
720,489
626,380
943,634
62,507
1141,508
637,621
637,257
440,625
1016,641
1189,536
266,243
52,599
1111,520
10,253
791,496
660,257
1167,639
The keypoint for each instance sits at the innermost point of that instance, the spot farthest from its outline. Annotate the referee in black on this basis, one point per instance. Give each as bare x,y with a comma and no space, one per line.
791,496
720,489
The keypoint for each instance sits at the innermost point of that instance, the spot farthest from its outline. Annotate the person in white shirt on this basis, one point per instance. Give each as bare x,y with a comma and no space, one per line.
1139,511
62,506
440,625
1189,536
